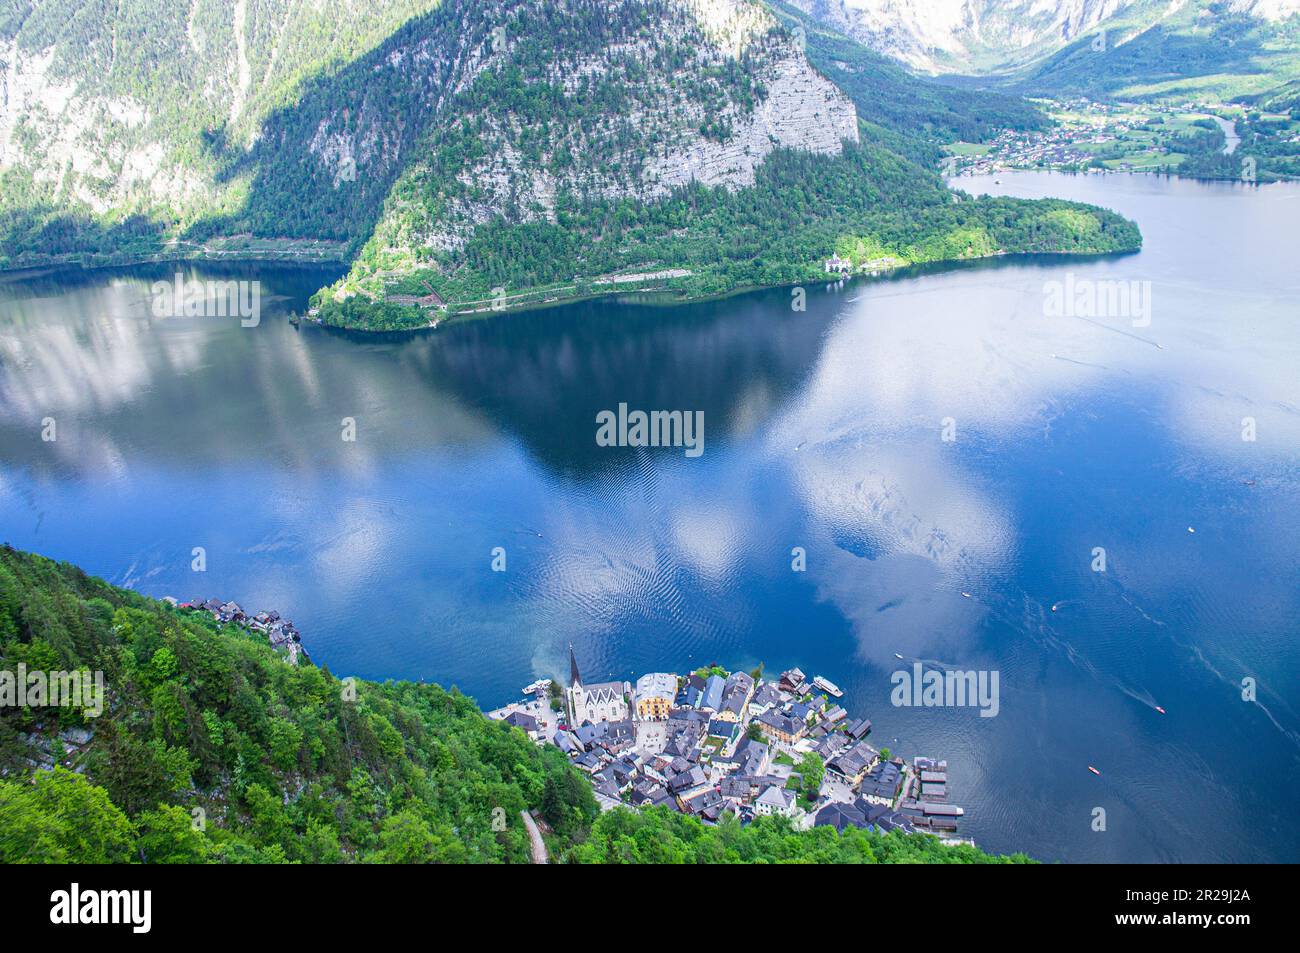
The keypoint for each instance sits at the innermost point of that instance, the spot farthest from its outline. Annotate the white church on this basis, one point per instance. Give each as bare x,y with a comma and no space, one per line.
606,701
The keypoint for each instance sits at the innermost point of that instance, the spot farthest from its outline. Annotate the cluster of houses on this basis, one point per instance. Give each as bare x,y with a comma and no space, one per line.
843,267
713,743
1073,144
280,632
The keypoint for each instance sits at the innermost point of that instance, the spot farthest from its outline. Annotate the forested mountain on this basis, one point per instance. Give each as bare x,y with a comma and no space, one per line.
1170,49
213,748
1198,50
473,155
920,115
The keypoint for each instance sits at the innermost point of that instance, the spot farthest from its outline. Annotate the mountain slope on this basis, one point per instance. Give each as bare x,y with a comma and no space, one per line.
473,156
918,112
278,762
128,110
1189,51
963,35
212,748
1171,49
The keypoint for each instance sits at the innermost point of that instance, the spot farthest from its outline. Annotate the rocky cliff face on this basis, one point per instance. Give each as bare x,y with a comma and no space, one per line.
427,117
975,36
698,90
92,151
1270,10
129,110
940,35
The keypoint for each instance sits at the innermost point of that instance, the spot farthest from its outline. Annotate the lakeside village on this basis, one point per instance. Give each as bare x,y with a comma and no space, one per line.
713,743
1099,137
709,743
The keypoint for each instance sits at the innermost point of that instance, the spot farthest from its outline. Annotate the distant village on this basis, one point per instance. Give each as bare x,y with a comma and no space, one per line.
1075,144
713,743
280,632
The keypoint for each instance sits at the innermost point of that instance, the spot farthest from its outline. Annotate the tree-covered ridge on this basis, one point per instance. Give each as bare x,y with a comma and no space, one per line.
270,118
212,748
661,836
563,241
801,209
286,763
501,107
284,120
451,149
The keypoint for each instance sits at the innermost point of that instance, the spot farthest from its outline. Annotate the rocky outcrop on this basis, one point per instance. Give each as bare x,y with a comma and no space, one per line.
938,35
668,135
802,110
457,113
990,35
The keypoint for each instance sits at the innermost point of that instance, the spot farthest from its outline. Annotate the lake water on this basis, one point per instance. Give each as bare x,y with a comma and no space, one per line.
824,429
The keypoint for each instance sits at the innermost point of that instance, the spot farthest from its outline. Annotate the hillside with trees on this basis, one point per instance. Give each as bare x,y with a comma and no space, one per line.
213,748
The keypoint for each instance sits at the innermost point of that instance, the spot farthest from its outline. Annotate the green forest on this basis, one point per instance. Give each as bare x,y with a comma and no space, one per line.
212,748
801,209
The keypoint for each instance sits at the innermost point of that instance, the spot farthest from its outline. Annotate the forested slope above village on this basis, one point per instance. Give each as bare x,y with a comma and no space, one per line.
213,748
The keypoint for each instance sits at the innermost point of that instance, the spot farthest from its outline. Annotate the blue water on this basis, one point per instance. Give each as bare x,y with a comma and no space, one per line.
822,431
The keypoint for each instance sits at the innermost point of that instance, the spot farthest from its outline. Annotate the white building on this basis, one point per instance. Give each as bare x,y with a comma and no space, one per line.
605,701
775,800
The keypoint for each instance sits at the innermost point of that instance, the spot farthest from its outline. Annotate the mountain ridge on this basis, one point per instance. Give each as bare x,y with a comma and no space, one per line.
1135,49
447,150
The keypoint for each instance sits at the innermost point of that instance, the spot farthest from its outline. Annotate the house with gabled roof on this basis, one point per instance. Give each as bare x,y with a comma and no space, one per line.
882,783
765,697
791,680
859,729
780,728
655,693
775,800
714,686
851,766
725,731
688,697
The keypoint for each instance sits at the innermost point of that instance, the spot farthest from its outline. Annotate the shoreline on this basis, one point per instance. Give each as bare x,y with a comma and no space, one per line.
88,261
665,298
640,297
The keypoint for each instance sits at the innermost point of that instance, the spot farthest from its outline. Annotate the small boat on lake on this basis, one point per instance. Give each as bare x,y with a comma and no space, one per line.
829,687
1094,770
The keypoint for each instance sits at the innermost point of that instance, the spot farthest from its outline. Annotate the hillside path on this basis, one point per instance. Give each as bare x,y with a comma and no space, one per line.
535,835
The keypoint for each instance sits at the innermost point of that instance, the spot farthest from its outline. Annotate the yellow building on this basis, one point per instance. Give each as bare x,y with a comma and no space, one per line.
654,695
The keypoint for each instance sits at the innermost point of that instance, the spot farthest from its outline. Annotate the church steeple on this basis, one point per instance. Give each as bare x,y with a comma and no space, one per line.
574,677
